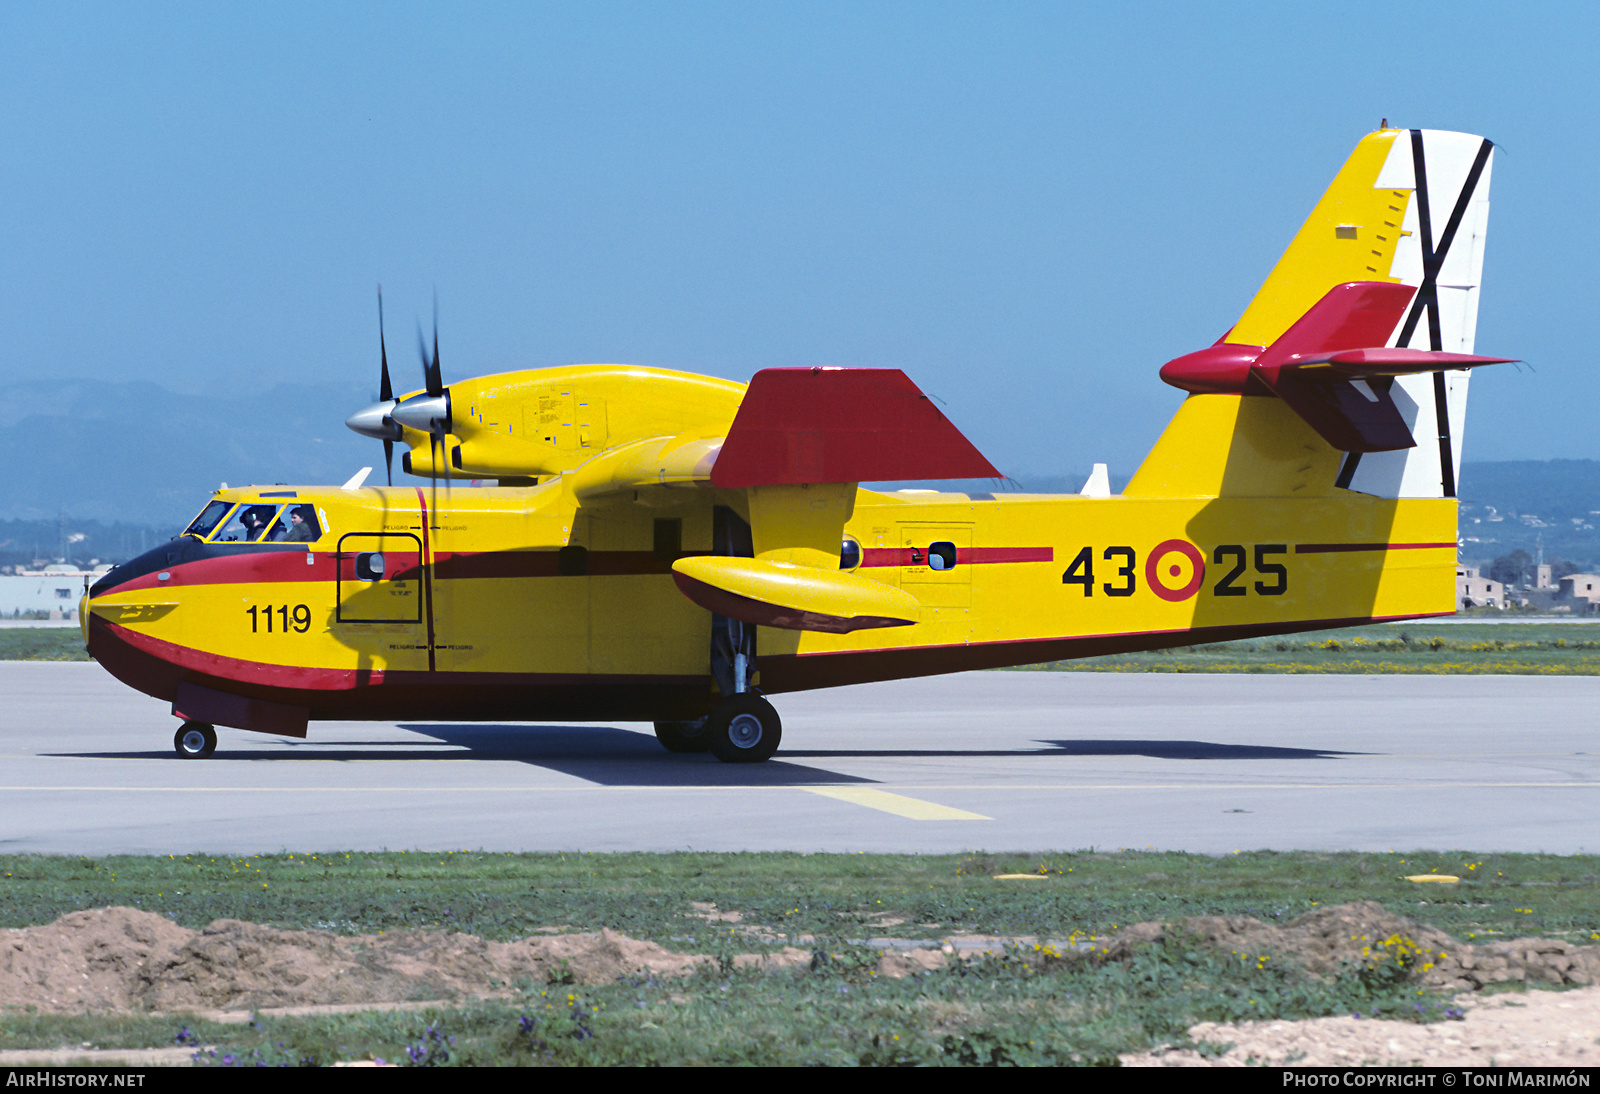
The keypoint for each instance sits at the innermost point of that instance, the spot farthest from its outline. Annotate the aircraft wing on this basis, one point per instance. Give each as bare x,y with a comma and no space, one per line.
800,426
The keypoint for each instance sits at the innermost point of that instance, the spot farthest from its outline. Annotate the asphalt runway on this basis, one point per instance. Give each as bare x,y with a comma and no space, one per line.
1026,761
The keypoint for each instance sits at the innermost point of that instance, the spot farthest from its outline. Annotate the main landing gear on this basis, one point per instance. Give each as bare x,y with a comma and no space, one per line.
744,729
195,740
684,736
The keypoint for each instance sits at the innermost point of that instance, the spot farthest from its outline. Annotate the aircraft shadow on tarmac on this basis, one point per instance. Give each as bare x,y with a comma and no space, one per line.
1195,750
609,756
1160,750
605,755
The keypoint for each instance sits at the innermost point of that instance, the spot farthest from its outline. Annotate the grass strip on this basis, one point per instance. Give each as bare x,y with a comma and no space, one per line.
1501,649
42,644
830,896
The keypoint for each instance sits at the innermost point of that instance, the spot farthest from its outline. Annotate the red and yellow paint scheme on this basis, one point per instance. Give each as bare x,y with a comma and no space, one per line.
672,548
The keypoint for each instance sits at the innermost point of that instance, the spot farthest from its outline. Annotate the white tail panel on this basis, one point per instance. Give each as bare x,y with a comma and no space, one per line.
1441,252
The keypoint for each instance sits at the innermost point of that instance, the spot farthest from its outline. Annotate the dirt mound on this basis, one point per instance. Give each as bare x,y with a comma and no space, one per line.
121,958
84,960
1350,935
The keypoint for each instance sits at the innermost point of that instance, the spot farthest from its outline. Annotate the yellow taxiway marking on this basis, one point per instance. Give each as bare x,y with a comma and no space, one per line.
898,804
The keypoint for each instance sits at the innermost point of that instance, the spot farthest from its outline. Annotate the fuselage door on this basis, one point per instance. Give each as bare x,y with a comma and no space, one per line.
380,578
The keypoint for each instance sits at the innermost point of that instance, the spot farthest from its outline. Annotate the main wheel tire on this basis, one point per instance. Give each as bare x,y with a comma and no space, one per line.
684,736
744,729
195,740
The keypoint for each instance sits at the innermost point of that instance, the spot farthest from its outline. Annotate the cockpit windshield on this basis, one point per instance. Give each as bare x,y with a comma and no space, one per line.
209,518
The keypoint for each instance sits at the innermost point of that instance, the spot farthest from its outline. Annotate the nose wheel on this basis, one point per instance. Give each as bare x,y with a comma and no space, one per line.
195,740
744,729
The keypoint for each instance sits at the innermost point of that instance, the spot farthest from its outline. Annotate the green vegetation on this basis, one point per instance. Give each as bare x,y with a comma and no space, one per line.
831,897
838,1011
1044,1002
828,896
1501,649
42,644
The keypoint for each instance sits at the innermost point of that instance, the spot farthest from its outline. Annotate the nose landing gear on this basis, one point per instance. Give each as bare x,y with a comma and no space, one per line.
195,740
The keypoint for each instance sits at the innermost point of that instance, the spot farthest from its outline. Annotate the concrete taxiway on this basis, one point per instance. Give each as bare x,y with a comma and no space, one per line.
991,760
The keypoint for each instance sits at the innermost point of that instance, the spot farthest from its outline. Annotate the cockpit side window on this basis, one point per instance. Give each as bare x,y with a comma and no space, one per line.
300,524
209,518
248,524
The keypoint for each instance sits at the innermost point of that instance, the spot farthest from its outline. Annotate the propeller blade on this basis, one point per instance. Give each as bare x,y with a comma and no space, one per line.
386,389
388,460
435,379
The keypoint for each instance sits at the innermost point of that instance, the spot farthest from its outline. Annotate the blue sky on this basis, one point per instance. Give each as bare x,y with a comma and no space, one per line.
1028,207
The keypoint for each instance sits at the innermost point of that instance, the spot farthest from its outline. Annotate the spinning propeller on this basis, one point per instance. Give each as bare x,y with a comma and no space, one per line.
427,413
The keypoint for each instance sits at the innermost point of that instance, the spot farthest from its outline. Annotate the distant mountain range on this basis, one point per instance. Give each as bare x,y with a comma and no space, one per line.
138,453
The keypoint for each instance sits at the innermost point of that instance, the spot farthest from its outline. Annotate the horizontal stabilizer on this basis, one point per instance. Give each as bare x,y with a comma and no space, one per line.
796,598
1354,315
815,425
1333,367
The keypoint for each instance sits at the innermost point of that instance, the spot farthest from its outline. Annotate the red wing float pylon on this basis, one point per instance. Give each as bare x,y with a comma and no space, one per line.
1332,367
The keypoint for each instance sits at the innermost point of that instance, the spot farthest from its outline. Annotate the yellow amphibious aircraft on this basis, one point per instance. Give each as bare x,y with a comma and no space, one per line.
667,547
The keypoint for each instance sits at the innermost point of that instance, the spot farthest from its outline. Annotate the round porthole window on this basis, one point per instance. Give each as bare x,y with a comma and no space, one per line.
849,554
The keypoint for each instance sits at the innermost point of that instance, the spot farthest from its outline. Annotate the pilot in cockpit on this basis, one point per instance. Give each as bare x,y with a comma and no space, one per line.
303,527
253,521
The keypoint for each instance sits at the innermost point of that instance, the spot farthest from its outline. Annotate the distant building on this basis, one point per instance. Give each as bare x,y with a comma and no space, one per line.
1473,590
1580,591
50,593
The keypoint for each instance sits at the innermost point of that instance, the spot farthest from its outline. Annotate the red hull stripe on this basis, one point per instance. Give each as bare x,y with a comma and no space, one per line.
291,566
154,668
266,569
965,556
1334,548
460,565
285,679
